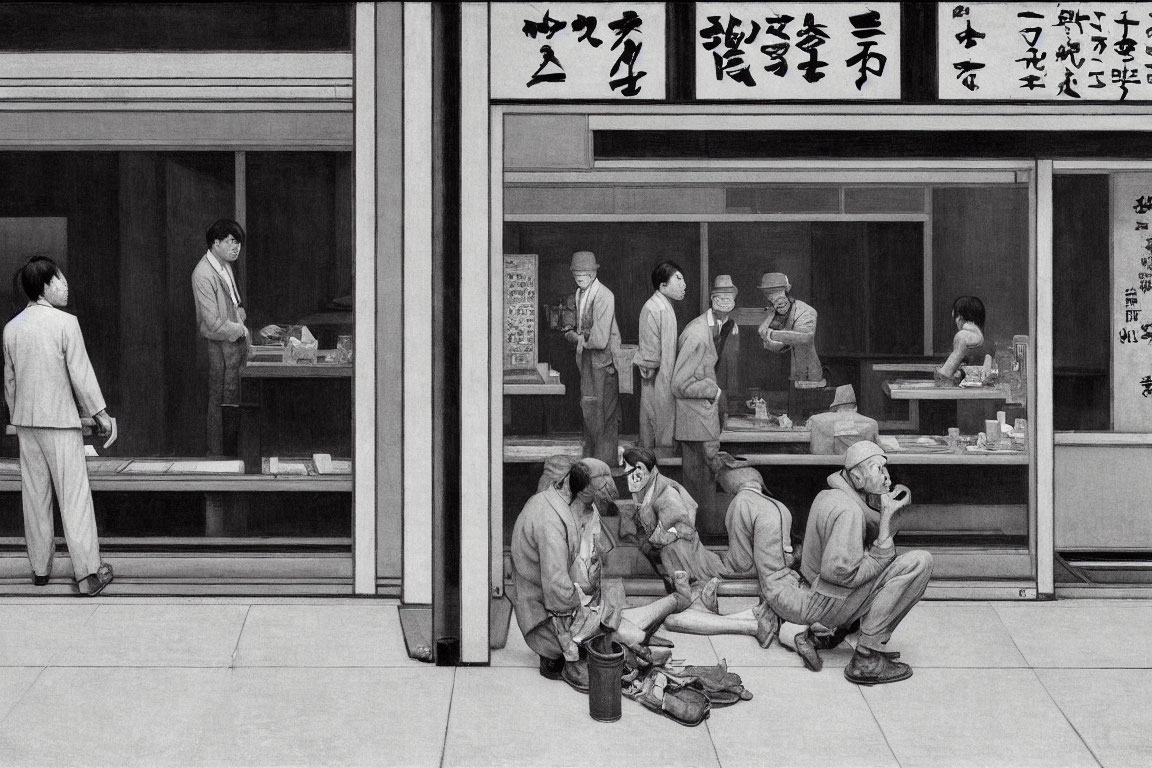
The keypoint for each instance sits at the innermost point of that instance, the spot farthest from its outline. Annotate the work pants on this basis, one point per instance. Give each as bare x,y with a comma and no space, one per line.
600,404
880,604
700,481
657,413
225,359
55,458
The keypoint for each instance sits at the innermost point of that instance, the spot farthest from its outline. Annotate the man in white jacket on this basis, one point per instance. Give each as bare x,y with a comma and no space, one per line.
49,385
656,358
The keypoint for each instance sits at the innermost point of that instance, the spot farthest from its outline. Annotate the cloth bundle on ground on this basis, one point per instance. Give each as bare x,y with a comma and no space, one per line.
686,696
722,687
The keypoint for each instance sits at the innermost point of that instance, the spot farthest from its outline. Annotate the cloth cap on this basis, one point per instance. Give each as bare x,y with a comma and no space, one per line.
600,480
584,261
845,395
731,479
858,452
772,280
724,284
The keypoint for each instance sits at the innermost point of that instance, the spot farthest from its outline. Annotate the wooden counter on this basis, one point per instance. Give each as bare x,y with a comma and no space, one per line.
296,371
927,390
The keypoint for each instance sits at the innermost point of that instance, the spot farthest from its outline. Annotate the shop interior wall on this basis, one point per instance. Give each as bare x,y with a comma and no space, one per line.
1080,322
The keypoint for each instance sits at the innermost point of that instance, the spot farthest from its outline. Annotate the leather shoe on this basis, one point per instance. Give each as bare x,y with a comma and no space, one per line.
806,647
41,581
94,584
576,675
767,625
551,668
875,668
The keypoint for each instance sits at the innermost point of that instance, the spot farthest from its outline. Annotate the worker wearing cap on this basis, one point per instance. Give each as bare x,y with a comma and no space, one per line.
696,387
597,341
791,326
842,426
656,357
849,580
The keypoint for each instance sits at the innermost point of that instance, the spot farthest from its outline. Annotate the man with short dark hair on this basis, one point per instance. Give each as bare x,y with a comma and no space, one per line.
220,320
656,357
49,386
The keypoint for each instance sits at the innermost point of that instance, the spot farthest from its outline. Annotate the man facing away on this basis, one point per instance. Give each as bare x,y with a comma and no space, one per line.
656,357
833,432
47,378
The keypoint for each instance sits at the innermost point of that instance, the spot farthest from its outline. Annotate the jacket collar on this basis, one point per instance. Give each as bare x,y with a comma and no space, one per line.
838,481
712,321
662,299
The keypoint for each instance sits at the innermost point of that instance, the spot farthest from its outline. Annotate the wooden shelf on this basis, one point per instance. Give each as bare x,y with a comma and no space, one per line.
534,389
896,391
295,371
181,483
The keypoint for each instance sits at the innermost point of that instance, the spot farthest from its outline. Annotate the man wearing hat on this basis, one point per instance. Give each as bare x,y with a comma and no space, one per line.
849,581
656,357
727,337
833,432
791,326
597,341
698,393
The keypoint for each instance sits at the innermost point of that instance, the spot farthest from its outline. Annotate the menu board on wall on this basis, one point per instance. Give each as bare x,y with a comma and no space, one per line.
521,345
1063,51
837,51
1131,296
577,50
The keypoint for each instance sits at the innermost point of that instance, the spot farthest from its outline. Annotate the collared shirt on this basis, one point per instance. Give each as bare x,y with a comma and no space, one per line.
225,271
715,330
583,296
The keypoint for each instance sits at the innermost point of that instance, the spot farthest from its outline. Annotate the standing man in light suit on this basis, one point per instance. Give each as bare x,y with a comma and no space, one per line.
596,338
48,385
656,357
220,320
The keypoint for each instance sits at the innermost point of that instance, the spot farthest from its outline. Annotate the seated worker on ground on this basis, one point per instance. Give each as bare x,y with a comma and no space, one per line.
843,581
560,599
841,426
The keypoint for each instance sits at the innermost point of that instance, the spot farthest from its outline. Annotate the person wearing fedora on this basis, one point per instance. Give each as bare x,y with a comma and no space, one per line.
843,581
791,326
596,339
656,357
833,432
696,387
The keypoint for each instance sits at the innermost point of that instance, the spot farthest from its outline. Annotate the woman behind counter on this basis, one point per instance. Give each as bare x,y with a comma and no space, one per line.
968,314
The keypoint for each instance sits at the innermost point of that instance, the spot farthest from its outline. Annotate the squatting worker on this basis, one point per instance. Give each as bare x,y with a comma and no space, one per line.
851,580
791,326
49,385
220,320
597,341
656,357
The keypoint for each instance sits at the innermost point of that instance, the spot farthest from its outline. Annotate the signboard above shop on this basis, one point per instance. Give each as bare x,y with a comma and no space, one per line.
826,51
554,51
1065,52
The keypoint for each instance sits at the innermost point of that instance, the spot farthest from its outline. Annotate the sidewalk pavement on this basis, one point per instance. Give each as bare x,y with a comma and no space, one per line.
327,682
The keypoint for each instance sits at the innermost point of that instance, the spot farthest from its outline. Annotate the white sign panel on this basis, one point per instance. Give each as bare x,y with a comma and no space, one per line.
577,50
836,51
1044,51
1132,302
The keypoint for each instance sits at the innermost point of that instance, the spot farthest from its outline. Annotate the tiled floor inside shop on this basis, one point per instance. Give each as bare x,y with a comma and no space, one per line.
324,682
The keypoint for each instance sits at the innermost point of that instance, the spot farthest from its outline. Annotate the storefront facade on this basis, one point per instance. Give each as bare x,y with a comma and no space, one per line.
883,210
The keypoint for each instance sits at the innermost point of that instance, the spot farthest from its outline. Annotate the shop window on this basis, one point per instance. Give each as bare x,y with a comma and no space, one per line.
128,228
30,27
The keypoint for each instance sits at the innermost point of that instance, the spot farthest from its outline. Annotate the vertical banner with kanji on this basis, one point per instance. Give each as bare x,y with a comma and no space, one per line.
832,51
521,345
1131,298
1044,51
577,50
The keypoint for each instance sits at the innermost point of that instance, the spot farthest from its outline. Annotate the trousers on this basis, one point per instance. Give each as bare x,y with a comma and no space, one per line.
225,359
700,482
880,604
55,458
600,405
